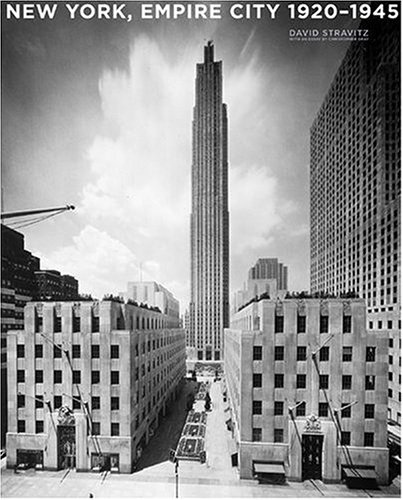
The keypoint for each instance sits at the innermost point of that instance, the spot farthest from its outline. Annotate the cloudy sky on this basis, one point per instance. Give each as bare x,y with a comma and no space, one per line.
98,114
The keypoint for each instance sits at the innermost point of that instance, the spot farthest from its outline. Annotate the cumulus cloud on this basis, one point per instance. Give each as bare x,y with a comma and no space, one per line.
101,263
137,204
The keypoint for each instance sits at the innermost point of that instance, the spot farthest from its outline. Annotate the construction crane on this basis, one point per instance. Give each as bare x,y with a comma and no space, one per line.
34,215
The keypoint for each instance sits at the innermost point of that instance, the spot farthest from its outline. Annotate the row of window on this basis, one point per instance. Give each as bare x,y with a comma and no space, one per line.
301,324
96,427
58,377
324,353
323,409
95,349
346,381
76,351
345,436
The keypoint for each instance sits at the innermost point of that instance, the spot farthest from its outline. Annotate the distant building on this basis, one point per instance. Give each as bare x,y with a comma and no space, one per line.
268,276
356,187
153,294
291,367
52,285
18,286
209,219
89,383
270,268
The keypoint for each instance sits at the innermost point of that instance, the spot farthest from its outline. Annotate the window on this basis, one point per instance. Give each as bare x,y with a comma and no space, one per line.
38,376
38,351
346,324
114,429
114,351
256,434
57,351
278,324
324,354
323,324
57,402
95,403
76,403
368,439
301,353
301,324
20,401
257,380
58,324
20,375
95,351
346,382
323,410
347,353
390,376
370,354
21,426
76,377
370,382
257,408
76,323
390,325
279,353
57,377
323,381
95,377
278,407
96,428
20,351
76,351
38,400
114,403
95,323
300,409
345,412
390,360
369,411
345,438
257,352
391,343
301,381
114,377
278,380
278,435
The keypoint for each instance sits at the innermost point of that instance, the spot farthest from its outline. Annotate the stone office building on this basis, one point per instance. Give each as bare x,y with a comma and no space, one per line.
88,383
355,187
307,387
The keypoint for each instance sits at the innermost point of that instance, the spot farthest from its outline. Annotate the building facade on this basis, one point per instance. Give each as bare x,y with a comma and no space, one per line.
270,268
355,187
153,294
18,286
209,226
88,383
307,388
267,276
52,285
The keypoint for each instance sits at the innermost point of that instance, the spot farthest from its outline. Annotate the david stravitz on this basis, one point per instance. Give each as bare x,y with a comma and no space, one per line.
329,33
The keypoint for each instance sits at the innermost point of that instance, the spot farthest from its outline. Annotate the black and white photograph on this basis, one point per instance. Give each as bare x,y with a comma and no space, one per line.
201,249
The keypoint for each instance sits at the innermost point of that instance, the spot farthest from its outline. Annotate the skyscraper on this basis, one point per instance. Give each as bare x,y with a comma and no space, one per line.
355,187
209,226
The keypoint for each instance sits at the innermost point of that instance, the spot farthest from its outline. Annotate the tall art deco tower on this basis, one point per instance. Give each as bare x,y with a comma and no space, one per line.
209,306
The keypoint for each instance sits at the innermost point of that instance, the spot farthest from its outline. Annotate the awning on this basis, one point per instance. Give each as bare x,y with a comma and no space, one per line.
360,473
268,468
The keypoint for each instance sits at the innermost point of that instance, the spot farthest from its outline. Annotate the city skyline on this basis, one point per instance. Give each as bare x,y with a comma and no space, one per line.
82,103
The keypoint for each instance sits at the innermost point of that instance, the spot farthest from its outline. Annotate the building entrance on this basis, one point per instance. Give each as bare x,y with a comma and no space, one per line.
312,456
66,446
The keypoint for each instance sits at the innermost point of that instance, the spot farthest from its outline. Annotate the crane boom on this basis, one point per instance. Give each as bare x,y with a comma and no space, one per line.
22,213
